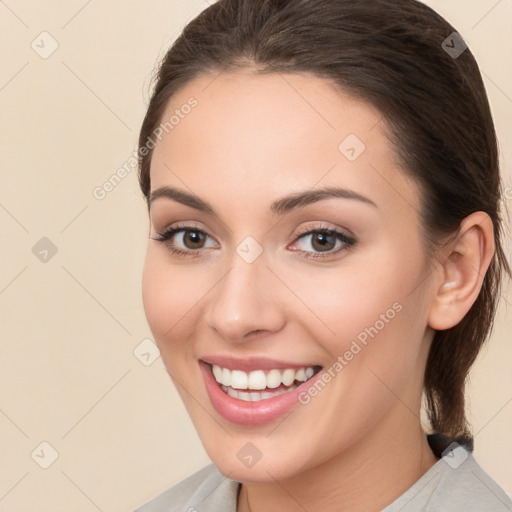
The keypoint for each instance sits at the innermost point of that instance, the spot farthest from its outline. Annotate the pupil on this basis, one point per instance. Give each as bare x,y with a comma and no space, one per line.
194,237
322,239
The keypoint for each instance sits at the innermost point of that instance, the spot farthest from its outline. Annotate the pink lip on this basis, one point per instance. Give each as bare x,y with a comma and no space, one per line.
251,413
251,363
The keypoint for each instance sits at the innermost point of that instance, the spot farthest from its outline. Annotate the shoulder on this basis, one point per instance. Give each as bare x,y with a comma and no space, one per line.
466,483
456,482
206,489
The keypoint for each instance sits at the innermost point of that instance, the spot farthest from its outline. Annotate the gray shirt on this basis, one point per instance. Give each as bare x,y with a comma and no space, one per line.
456,483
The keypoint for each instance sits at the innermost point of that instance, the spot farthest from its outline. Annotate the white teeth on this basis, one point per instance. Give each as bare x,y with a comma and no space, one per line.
255,396
288,377
226,377
232,392
273,379
301,375
259,379
242,395
239,379
217,372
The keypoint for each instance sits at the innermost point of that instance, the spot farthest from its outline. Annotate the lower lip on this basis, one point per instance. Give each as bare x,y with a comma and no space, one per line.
250,413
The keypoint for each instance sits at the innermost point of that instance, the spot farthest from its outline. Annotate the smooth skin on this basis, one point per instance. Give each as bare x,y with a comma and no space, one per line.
358,444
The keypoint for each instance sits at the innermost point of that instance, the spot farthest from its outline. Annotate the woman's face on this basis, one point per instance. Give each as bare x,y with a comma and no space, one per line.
252,292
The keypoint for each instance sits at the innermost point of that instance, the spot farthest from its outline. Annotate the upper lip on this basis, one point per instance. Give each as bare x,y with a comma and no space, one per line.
249,364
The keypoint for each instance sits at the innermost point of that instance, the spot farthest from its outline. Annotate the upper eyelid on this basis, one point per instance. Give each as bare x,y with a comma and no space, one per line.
298,235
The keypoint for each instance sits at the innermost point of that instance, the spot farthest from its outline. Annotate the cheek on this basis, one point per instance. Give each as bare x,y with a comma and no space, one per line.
364,310
370,326
170,296
344,301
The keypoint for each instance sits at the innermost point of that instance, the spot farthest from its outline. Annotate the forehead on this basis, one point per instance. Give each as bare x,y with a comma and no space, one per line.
265,134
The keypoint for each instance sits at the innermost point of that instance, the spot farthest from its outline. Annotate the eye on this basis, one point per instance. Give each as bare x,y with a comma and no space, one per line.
324,240
190,238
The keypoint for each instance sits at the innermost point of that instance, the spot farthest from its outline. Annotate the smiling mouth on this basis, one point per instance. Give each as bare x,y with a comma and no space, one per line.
260,385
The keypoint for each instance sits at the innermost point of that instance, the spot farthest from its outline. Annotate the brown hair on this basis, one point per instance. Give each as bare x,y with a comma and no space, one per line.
389,53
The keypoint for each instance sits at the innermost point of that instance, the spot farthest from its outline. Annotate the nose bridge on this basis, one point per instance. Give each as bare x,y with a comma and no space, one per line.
241,301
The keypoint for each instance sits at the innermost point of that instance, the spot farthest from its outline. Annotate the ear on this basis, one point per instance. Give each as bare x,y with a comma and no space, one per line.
462,272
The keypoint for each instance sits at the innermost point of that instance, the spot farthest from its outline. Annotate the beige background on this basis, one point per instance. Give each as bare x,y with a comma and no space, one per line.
68,373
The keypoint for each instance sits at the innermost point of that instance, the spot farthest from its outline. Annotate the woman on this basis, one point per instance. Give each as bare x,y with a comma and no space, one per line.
324,251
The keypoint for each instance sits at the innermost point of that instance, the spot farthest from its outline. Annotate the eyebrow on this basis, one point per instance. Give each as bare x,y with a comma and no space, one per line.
281,206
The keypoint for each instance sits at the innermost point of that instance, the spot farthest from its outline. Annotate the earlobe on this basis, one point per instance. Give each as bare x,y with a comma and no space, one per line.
462,273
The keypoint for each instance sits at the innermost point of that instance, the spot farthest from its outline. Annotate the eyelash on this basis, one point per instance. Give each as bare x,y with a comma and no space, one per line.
348,241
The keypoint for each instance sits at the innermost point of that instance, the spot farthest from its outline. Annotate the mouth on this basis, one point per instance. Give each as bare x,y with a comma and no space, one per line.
261,384
259,393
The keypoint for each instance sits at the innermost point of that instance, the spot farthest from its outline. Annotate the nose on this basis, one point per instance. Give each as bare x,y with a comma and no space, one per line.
245,302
